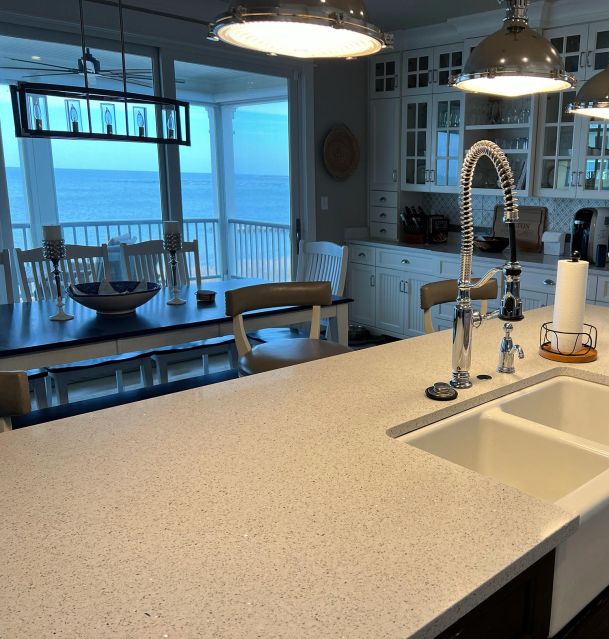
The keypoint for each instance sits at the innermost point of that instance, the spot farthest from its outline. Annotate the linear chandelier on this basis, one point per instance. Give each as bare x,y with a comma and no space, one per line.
68,112
514,61
300,28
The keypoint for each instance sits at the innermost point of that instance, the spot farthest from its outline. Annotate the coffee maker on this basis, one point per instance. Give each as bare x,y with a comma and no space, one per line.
590,235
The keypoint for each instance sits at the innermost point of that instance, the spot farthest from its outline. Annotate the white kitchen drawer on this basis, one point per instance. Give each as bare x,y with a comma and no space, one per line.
383,215
408,261
383,198
383,231
545,282
361,254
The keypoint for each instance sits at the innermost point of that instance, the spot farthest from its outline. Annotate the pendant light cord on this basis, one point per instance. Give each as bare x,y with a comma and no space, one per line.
84,59
123,61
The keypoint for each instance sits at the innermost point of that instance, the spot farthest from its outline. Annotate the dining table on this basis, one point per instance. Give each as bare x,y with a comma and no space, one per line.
29,339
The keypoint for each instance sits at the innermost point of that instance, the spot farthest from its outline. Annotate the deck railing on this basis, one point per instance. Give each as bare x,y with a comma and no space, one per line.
250,249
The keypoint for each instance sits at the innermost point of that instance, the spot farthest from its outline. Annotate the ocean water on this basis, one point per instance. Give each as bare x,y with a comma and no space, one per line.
87,195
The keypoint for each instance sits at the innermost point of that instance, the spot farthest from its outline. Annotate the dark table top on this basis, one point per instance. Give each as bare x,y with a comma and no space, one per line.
25,327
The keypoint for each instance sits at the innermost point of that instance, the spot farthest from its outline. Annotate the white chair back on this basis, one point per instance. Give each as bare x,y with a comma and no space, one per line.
323,262
148,261
7,276
82,264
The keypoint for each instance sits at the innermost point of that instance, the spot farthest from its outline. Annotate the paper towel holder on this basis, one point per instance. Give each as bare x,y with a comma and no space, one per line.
587,353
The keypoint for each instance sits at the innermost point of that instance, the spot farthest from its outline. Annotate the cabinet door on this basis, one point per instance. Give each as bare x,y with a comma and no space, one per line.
417,68
448,61
559,139
385,76
593,165
447,143
391,300
597,58
361,289
571,44
384,144
416,143
532,300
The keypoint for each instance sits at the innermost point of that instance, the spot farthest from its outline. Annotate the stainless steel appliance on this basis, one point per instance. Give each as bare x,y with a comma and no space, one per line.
590,235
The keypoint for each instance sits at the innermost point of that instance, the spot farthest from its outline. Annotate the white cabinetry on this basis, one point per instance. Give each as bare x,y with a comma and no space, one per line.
384,144
361,289
385,76
428,70
391,301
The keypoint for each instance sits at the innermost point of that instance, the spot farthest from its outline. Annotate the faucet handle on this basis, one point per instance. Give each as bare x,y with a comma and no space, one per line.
508,328
519,350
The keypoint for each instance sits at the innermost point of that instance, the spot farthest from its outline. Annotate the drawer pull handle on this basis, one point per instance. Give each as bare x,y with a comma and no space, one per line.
383,199
361,255
405,261
549,282
383,230
383,215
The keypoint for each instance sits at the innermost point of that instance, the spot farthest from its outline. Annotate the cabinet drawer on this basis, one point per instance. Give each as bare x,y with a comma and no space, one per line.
361,254
545,282
383,231
383,215
407,261
383,198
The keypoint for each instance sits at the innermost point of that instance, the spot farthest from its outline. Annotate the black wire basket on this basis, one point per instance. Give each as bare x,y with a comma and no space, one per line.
583,349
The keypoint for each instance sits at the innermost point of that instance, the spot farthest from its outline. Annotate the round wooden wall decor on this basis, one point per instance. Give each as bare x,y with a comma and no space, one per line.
341,153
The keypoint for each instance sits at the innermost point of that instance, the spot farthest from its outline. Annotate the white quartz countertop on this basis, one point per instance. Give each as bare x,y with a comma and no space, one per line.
271,506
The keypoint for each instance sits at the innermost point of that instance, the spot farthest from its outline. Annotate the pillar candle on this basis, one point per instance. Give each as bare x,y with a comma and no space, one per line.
51,232
173,228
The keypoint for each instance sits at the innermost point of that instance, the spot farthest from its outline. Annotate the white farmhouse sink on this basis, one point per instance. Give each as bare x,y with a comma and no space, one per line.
549,441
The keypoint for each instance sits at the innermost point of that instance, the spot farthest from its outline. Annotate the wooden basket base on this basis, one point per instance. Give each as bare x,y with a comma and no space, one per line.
584,356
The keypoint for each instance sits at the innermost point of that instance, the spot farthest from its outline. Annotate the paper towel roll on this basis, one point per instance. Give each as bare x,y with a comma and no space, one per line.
569,306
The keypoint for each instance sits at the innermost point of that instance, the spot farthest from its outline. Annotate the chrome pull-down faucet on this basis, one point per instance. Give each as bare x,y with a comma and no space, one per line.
466,318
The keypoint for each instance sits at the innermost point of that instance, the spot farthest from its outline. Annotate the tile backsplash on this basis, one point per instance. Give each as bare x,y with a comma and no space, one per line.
560,210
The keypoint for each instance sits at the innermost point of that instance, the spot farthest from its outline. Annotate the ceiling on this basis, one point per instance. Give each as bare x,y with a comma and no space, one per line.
390,15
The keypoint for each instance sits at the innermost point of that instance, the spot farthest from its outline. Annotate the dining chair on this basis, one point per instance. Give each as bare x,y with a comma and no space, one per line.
446,291
14,397
5,263
323,262
281,352
82,264
148,261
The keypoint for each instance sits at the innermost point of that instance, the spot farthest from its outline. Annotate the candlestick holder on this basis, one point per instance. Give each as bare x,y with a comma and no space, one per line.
173,244
54,251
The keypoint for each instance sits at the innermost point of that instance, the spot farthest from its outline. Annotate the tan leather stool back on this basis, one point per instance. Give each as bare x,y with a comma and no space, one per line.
260,296
14,396
446,291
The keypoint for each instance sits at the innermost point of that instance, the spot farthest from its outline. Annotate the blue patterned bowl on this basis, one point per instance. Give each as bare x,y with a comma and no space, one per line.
116,298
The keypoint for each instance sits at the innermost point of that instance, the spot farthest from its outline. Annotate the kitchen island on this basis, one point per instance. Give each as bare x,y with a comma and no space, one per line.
279,505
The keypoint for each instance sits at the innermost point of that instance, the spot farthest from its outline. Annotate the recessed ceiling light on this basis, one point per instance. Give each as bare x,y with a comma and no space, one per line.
36,58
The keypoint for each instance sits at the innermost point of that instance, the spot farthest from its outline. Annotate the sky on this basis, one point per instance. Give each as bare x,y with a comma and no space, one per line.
260,143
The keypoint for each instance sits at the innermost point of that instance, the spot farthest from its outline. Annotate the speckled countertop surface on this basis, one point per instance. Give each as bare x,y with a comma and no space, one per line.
273,506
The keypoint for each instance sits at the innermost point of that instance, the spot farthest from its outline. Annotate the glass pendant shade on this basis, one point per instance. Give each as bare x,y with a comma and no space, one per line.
300,29
514,61
593,98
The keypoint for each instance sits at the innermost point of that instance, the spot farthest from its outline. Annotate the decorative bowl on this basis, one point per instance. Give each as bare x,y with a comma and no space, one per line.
491,244
122,298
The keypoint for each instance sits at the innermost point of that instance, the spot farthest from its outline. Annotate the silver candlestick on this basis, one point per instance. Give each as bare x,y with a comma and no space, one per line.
173,244
54,251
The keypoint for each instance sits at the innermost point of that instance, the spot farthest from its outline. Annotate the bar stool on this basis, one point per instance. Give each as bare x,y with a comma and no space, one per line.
446,291
14,397
281,352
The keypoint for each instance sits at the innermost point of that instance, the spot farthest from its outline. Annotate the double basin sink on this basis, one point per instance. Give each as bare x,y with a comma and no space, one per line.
550,441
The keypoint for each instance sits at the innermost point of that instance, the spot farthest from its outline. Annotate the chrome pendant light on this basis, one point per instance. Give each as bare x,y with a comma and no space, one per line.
593,98
300,28
514,61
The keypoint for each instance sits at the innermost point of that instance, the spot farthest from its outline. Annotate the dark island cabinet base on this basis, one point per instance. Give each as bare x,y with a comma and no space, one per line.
520,610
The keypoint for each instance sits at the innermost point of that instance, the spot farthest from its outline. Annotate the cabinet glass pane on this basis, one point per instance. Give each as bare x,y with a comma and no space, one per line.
442,143
412,65
444,60
572,63
410,171
455,114
410,143
605,176
565,145
563,174
412,81
421,143
443,78
552,107
572,44
421,171
547,174
566,98
453,144
390,84
442,115
441,178
558,44
411,116
424,63
601,61
423,79
422,119
592,175
453,172
390,68
549,145
595,139
379,85
602,40
379,69
457,59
